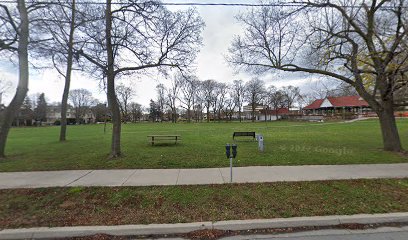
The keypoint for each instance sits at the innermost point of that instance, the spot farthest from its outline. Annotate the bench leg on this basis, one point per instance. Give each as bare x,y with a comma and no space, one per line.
152,141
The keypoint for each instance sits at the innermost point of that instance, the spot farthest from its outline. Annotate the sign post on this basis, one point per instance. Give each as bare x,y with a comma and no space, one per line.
260,142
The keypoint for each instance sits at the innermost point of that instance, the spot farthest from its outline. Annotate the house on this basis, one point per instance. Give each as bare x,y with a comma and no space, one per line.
342,106
24,117
264,113
54,115
271,115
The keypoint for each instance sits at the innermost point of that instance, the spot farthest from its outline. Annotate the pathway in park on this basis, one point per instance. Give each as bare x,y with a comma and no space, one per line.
151,177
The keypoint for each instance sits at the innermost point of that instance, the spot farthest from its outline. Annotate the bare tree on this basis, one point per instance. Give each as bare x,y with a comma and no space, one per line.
161,100
331,88
172,96
81,99
188,87
343,89
198,106
306,99
100,111
238,87
402,96
14,36
139,35
59,22
229,107
254,93
360,43
291,95
125,95
276,99
221,92
136,111
208,95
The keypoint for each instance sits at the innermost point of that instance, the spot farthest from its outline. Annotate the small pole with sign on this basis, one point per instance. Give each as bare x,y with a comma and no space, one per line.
231,156
260,142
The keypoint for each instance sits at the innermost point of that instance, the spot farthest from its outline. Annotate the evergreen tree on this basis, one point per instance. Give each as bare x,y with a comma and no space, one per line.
154,112
40,112
27,104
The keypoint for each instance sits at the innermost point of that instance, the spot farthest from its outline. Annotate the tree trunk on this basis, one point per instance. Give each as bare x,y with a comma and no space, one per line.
391,139
11,111
64,101
239,115
208,114
266,111
77,119
253,113
111,95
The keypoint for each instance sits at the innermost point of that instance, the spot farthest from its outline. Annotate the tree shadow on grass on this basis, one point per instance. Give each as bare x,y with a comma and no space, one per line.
165,144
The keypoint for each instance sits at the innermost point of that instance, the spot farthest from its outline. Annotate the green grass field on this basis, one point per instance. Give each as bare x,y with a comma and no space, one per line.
286,143
50,207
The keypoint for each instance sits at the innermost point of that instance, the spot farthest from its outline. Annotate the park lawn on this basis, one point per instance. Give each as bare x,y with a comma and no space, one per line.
202,146
51,207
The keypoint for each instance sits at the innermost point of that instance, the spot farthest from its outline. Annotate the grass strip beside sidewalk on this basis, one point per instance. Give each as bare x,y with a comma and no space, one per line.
51,207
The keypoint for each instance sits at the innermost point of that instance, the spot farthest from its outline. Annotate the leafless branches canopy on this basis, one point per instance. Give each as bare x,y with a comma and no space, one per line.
137,36
362,43
144,35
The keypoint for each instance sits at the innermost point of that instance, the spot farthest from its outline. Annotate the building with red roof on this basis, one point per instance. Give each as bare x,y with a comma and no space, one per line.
264,113
338,105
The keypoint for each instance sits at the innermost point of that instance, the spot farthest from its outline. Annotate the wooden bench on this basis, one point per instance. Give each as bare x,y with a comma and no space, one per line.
243,134
157,138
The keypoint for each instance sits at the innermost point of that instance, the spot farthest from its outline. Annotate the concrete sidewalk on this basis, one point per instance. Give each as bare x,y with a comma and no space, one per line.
151,177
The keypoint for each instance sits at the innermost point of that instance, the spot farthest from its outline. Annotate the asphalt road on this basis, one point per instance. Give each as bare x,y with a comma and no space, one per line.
384,233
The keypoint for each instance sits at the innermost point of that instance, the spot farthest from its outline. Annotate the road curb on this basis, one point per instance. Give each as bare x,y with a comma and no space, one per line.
180,228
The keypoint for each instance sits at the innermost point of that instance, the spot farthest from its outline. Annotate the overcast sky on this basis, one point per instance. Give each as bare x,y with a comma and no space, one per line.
221,26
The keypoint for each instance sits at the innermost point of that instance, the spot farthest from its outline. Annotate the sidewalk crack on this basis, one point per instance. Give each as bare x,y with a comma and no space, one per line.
178,174
223,179
79,178
131,175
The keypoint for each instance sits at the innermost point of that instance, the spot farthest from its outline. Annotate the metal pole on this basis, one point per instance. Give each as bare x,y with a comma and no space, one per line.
230,169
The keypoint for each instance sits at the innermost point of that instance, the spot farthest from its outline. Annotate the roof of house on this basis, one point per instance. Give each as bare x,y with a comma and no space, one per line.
279,111
315,104
346,101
